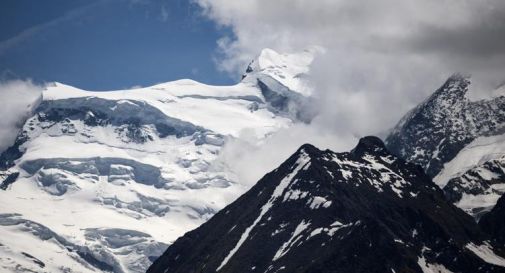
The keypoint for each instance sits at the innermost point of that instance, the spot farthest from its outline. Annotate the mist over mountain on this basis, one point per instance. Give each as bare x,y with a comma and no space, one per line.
259,136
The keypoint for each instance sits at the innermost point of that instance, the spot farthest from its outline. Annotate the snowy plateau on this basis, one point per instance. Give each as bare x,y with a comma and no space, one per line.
105,181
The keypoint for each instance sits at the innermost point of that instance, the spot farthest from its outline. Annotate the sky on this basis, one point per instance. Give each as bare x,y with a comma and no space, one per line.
108,44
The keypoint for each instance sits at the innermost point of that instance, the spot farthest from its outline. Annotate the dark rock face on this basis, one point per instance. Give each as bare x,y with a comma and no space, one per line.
7,160
436,130
493,222
12,153
320,211
282,100
9,179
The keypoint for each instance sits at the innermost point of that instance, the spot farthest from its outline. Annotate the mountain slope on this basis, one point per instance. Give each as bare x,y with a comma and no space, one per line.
320,211
475,178
116,176
494,222
453,138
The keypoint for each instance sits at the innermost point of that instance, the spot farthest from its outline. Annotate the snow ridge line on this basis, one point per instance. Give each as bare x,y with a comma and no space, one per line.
303,160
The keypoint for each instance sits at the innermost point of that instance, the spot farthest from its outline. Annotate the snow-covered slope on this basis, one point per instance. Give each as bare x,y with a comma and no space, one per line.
475,178
104,181
320,211
457,141
287,69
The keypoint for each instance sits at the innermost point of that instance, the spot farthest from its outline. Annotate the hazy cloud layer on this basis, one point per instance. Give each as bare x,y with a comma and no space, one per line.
382,58
437,36
17,99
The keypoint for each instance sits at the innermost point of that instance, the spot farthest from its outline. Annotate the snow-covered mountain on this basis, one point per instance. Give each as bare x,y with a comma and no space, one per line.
277,75
321,211
459,142
476,177
105,181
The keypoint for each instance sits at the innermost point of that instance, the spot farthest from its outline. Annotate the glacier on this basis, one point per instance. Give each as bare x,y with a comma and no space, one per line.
104,181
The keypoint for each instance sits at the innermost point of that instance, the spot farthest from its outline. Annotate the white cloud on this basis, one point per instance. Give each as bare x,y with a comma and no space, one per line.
17,100
382,58
249,161
393,43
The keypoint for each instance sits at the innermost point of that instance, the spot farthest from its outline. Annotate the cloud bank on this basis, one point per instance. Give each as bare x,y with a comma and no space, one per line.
17,100
370,39
382,58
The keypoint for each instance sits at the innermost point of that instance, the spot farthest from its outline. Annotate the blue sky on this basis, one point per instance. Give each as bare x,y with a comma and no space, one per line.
108,44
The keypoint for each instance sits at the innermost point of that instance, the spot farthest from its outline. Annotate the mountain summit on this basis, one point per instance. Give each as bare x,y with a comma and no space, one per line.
450,120
321,211
460,143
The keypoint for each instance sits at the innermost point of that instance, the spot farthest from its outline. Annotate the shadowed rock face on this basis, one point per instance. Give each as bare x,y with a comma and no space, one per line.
493,222
284,101
320,211
435,131
448,129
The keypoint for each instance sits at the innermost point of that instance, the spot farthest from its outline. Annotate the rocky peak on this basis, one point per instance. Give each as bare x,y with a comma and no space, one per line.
322,211
370,144
455,86
435,131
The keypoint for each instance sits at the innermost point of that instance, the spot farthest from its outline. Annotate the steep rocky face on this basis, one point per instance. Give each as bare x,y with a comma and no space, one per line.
320,211
434,132
459,143
493,222
282,100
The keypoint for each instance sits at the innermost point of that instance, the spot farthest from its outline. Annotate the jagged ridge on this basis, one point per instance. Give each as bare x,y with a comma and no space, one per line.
320,211
436,130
